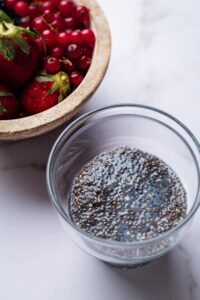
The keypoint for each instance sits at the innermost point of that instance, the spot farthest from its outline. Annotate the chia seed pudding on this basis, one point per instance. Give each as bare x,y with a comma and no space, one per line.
127,195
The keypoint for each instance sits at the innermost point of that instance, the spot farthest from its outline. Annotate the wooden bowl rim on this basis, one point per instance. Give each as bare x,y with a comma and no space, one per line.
43,122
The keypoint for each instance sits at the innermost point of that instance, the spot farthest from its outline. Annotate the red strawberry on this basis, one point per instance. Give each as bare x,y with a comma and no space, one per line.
8,104
44,92
19,53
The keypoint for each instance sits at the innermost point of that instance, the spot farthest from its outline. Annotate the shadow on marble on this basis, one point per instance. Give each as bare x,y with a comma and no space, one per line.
23,163
166,278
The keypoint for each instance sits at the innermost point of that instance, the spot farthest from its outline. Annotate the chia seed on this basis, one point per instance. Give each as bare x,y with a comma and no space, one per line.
127,195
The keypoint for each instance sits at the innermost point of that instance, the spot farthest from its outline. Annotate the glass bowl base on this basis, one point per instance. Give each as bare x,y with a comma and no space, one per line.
127,267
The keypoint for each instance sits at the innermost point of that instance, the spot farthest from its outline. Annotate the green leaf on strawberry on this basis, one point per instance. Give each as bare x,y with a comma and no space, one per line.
23,45
3,50
11,34
5,93
19,53
2,109
8,45
45,91
4,17
27,32
8,104
54,88
43,77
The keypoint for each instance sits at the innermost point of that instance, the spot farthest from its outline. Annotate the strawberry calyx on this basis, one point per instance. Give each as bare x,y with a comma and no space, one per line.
60,82
2,109
10,35
4,94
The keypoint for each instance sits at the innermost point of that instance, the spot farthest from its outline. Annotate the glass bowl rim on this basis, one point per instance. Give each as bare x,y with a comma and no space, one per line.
84,234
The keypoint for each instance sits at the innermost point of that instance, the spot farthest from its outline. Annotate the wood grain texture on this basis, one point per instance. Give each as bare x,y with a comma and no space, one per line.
64,111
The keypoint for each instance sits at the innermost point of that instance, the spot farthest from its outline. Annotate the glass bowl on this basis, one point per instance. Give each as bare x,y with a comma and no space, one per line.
143,127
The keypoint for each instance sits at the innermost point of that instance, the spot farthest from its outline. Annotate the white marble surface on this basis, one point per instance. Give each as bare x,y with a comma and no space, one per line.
155,61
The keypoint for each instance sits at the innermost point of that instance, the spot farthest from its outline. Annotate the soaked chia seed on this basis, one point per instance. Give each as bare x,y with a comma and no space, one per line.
127,195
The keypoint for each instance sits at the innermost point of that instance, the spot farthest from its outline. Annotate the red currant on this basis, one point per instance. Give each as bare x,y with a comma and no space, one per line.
52,65
10,4
58,24
75,79
74,51
47,5
82,16
76,37
40,44
67,8
70,22
88,51
25,22
84,63
49,37
57,15
88,38
48,15
68,66
63,39
21,8
55,4
33,10
57,52
69,31
39,24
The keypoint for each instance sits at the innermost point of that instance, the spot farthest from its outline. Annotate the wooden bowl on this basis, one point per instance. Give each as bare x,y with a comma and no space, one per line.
43,122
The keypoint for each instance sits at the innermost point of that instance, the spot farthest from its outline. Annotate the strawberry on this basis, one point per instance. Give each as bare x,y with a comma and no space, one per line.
8,104
19,53
44,92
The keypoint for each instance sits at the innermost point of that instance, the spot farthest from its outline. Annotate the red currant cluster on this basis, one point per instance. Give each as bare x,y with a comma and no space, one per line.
65,37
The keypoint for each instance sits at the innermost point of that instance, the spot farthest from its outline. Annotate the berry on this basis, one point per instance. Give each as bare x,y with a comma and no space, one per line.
65,42
44,92
69,31
84,63
41,45
33,10
10,4
74,51
75,79
58,24
88,38
58,16
21,8
25,22
76,37
48,15
70,23
8,104
57,52
39,24
67,8
55,4
49,37
47,5
19,56
63,39
68,66
88,51
82,16
52,65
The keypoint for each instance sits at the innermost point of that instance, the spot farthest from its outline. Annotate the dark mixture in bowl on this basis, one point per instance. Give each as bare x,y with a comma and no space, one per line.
127,195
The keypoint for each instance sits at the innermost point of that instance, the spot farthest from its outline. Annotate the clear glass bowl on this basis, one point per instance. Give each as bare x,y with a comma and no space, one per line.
143,127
